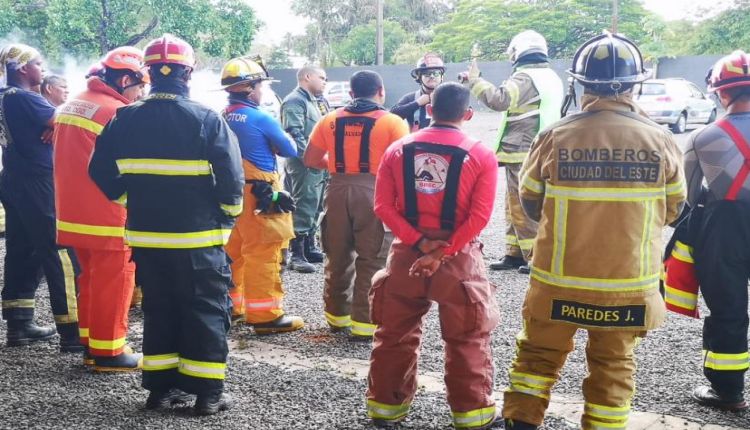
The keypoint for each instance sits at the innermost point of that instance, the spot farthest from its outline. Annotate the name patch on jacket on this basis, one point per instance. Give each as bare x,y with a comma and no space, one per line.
80,108
598,316
605,164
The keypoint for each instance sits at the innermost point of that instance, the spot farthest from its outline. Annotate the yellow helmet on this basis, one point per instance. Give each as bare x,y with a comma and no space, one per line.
241,71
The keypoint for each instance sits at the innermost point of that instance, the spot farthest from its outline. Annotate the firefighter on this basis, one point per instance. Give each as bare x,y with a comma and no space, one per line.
607,175
530,101
178,166
266,222
300,111
349,142
413,106
88,221
27,193
435,190
719,155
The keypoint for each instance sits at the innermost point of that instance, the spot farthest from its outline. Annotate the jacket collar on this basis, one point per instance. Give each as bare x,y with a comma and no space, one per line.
237,100
97,85
306,94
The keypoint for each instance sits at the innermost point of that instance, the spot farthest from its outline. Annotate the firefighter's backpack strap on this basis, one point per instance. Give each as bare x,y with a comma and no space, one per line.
741,143
366,123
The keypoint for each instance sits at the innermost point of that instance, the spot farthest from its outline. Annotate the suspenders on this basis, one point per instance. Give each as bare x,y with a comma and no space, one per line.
741,143
366,123
450,193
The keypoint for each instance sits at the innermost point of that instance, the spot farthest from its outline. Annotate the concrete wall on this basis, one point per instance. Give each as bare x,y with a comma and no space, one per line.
398,81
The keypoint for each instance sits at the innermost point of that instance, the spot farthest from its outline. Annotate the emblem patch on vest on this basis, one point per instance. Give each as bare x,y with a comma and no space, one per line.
598,316
430,173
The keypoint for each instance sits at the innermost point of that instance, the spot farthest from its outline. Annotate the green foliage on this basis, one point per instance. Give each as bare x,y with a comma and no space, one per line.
86,29
359,46
409,53
728,31
279,59
566,24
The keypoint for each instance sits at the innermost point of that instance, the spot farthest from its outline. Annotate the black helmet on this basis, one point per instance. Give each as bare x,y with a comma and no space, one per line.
609,63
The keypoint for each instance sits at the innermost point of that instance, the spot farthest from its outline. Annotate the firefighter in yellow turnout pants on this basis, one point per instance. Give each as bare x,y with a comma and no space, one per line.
266,221
607,165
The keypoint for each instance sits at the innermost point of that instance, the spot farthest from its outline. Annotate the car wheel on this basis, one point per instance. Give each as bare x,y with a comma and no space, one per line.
712,117
681,124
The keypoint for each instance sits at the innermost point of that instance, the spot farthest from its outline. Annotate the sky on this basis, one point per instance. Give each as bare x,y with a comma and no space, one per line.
279,19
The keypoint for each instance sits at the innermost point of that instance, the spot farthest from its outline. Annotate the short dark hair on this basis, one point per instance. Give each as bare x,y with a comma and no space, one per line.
176,72
450,101
365,83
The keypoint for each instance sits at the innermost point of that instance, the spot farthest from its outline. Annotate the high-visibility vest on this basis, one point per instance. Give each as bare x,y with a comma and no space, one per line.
681,284
85,216
546,109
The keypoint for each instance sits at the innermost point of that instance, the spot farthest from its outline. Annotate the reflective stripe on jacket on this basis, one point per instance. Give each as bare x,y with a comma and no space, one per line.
86,218
605,182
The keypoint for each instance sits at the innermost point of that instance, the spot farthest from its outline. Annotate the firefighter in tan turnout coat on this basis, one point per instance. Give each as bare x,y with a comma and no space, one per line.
607,164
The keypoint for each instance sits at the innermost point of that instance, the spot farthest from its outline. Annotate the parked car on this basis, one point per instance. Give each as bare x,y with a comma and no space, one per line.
337,93
676,102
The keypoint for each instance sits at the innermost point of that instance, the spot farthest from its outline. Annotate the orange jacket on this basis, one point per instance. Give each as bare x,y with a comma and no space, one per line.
86,218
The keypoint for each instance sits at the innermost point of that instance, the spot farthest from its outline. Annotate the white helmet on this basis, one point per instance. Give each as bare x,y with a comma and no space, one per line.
526,42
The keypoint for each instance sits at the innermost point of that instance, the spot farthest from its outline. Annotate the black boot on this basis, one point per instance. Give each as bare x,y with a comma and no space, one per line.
282,324
298,262
167,399
518,425
213,402
312,252
707,396
123,362
508,262
70,342
23,332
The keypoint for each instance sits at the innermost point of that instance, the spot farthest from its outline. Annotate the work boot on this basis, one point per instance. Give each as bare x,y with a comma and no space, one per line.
88,359
23,332
508,262
70,341
298,262
525,269
707,396
383,423
312,252
123,362
518,425
167,399
281,324
213,402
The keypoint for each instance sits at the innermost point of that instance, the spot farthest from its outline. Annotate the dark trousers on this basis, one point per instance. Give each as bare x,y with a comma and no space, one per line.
722,262
186,314
31,252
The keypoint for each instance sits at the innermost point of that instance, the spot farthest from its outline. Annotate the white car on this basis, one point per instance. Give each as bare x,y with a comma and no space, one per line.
337,93
676,102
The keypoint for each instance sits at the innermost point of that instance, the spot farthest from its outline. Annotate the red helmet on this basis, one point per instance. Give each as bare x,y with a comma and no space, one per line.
169,49
730,71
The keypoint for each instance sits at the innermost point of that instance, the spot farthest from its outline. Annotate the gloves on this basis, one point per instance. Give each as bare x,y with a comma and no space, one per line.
270,201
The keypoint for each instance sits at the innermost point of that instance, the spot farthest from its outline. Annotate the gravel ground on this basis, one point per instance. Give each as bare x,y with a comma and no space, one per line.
40,388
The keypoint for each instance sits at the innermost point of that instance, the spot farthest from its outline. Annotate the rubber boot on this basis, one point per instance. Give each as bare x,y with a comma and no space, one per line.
124,362
525,269
508,262
70,342
167,399
23,332
281,324
213,402
298,262
312,252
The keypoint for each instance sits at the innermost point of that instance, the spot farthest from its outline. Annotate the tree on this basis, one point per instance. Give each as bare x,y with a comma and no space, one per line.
723,34
409,53
566,24
279,59
359,46
88,28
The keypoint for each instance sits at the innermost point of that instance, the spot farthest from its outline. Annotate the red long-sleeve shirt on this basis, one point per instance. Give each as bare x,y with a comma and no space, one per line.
476,190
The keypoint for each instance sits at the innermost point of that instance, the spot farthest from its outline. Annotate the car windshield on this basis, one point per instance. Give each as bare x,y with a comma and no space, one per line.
653,89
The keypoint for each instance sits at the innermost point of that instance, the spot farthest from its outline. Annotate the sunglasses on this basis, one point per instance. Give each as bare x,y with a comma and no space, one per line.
433,74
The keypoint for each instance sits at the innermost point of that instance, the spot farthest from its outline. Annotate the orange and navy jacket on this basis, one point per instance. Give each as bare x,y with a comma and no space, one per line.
86,218
356,136
471,201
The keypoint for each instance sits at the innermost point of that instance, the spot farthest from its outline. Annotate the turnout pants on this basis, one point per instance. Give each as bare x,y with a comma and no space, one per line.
306,187
543,346
520,230
722,263
186,311
255,249
468,314
356,245
31,252
106,287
